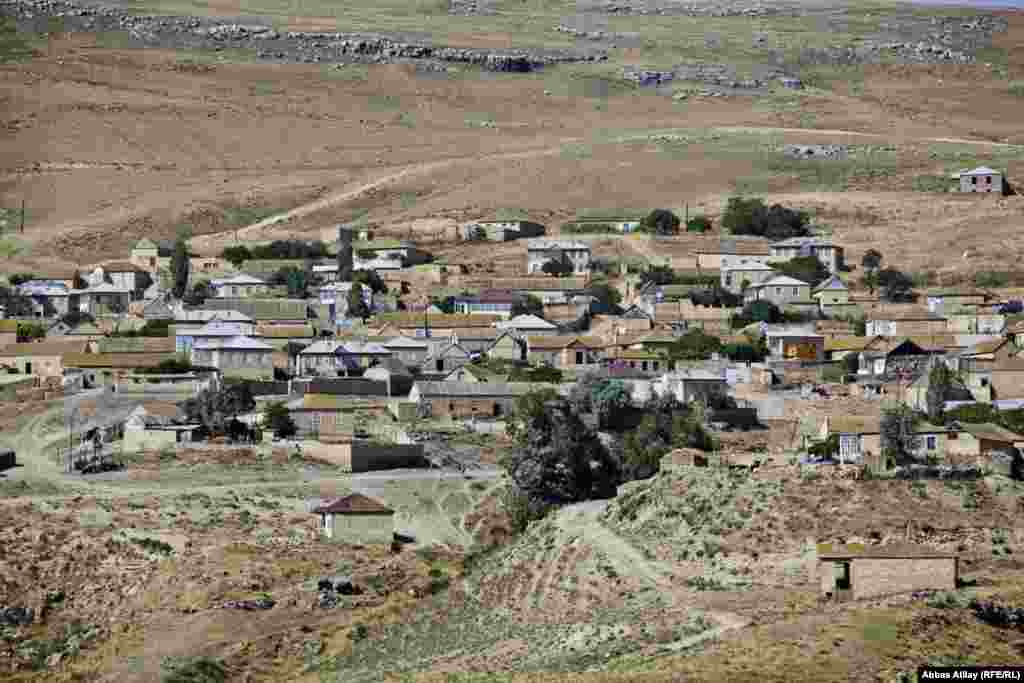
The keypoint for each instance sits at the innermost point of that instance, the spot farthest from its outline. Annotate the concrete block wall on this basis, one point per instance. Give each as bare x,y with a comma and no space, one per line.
872,577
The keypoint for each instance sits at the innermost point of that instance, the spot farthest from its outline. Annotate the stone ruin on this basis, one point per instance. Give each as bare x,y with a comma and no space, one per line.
816,152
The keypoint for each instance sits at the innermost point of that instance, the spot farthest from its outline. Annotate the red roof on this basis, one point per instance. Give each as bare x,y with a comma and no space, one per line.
354,504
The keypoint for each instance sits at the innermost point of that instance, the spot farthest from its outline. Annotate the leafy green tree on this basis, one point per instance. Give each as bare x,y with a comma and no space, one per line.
557,268
895,286
698,223
943,385
694,345
667,424
605,398
716,296
561,460
277,417
357,307
539,374
180,264
236,255
899,440
743,353
804,268
608,298
20,278
744,216
758,312
213,408
477,234
829,448
372,279
200,292
529,408
294,278
659,275
30,332
528,305
660,222
872,260
851,363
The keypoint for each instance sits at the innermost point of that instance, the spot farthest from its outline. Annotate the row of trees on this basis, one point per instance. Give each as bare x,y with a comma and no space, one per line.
278,249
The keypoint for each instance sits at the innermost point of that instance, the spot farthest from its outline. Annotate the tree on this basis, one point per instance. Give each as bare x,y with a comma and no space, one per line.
851,363
608,298
660,222
895,286
236,255
171,366
694,345
715,295
667,424
557,268
540,374
294,278
757,312
15,305
529,408
943,385
20,278
804,268
752,217
744,353
30,332
200,292
279,420
560,460
605,398
872,260
659,275
528,305
898,437
213,408
371,279
75,318
698,223
180,264
357,307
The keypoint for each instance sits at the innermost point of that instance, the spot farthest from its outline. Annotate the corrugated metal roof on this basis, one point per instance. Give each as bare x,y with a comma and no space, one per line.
136,345
285,331
456,389
262,309
236,343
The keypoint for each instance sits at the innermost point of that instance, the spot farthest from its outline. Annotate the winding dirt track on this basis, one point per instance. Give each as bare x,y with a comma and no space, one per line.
254,230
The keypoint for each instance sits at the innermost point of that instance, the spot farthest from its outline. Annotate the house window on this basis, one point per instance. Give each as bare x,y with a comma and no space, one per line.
316,421
974,180
579,358
930,443
778,291
643,366
988,180
439,364
795,291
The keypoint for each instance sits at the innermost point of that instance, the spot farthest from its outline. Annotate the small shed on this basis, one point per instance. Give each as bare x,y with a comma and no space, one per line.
357,518
856,571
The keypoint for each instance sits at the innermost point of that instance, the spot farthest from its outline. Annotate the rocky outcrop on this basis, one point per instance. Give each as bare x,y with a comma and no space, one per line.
293,46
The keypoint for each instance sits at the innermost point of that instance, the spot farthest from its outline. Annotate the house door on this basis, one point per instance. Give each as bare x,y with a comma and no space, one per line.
579,358
440,365
28,367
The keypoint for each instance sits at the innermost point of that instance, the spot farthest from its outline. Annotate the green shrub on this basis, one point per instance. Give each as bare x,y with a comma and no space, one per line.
192,670
991,278
153,545
699,223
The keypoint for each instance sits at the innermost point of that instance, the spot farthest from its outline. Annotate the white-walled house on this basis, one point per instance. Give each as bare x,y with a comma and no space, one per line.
540,251
239,286
356,519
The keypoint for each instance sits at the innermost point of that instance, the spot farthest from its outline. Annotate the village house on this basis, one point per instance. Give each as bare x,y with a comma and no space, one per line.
1016,333
394,374
386,255
445,356
158,308
527,325
146,254
1007,379
490,301
335,296
42,359
780,290
548,290
237,356
860,440
127,275
508,346
719,254
974,443
106,369
280,336
188,323
827,252
468,399
164,345
856,571
943,302
903,359
982,179
50,298
685,315
240,286
540,251
154,427
795,343
427,324
356,519
102,299
692,384
502,230
740,275
978,321
410,352
474,373
475,340
322,415
903,322
564,351
332,357
838,348
215,329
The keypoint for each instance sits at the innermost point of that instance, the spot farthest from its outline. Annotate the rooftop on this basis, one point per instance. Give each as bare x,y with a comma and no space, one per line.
780,281
285,331
354,504
475,388
527,322
234,343
549,342
44,348
115,360
850,551
542,244
735,246
136,345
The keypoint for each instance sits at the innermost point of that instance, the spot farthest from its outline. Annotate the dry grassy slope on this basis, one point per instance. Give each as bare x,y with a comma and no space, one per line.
192,144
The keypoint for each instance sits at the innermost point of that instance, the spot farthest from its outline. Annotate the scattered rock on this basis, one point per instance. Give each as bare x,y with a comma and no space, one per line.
17,616
250,605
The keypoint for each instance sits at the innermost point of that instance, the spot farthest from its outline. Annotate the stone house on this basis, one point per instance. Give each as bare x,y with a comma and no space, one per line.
356,519
856,571
235,356
8,332
502,231
692,384
240,286
564,351
827,252
468,399
507,346
780,290
154,427
903,322
719,254
540,251
982,179
332,357
42,359
860,440
745,273
445,356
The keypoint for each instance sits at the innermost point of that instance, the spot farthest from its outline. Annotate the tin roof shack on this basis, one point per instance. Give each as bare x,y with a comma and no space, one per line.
855,571
357,519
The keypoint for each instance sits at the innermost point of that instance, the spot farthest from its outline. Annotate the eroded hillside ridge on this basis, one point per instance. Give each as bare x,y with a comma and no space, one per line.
291,46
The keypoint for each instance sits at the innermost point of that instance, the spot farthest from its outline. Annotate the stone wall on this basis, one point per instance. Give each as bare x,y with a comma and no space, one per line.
874,577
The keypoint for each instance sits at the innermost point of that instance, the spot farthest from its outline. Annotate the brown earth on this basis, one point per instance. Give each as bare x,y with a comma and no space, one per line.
109,145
